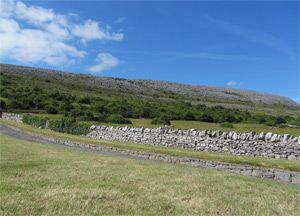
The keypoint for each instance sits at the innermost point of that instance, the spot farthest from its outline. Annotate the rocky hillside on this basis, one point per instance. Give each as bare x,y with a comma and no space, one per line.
191,92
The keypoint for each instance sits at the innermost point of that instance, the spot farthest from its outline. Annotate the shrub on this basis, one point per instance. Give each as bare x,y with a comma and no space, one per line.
69,125
35,120
56,125
118,119
161,120
280,120
189,116
51,109
206,118
65,125
84,100
226,125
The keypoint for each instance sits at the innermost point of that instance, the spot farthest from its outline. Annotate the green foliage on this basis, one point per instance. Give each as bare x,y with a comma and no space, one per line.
69,125
35,120
226,125
205,118
84,100
280,120
118,119
50,109
92,104
161,120
65,125
2,104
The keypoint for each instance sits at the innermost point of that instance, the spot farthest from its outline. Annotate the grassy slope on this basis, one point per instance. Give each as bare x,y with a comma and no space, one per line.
237,159
38,179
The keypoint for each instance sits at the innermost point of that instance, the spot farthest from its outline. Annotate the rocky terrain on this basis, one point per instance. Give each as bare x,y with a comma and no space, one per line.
229,97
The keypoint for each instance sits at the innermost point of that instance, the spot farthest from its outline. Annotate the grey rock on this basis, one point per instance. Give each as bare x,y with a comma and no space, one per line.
292,157
262,136
274,138
268,136
282,176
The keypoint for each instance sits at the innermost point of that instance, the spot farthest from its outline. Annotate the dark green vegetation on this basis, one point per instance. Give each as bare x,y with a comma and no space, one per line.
292,165
65,125
42,180
86,103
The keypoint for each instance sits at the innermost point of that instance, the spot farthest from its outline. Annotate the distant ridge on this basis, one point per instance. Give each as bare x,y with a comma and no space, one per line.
196,92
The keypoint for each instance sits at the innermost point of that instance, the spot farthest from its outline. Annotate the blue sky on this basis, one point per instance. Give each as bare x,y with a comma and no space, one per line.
239,44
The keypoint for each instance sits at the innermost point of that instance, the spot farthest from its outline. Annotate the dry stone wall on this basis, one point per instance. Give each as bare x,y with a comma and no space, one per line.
12,117
251,144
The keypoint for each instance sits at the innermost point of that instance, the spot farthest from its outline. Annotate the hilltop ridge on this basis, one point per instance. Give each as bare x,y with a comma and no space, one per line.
193,93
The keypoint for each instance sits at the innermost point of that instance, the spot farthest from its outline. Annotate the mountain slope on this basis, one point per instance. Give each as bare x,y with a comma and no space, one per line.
163,88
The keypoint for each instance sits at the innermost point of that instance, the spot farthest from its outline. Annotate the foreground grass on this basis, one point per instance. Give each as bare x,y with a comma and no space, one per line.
228,158
38,179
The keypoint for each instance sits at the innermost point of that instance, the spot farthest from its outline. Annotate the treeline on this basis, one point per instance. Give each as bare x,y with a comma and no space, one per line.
94,108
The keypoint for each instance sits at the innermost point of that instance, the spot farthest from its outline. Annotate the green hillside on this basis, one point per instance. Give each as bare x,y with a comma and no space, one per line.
92,104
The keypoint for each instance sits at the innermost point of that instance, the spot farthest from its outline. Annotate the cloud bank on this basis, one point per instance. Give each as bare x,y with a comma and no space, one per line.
31,34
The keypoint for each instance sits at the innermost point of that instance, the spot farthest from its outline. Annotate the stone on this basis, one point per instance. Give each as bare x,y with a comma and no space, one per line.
274,138
292,157
262,136
257,173
268,175
282,176
279,137
268,136
246,172
295,178
251,135
235,136
286,138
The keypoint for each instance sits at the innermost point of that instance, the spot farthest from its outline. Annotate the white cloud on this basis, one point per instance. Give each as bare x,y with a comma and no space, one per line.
35,15
120,20
30,45
48,37
231,83
106,61
90,30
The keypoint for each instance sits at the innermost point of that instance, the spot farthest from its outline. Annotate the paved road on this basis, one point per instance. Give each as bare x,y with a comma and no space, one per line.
10,132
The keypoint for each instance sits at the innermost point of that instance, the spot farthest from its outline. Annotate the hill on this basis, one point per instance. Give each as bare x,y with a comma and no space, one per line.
88,98
234,98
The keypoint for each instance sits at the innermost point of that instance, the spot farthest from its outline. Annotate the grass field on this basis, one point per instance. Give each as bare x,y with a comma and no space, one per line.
239,128
38,179
292,165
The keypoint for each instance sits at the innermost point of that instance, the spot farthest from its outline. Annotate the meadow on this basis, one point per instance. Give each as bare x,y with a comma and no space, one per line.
292,165
38,179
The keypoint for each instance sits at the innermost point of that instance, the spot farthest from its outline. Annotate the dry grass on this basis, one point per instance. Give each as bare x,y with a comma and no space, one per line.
42,180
